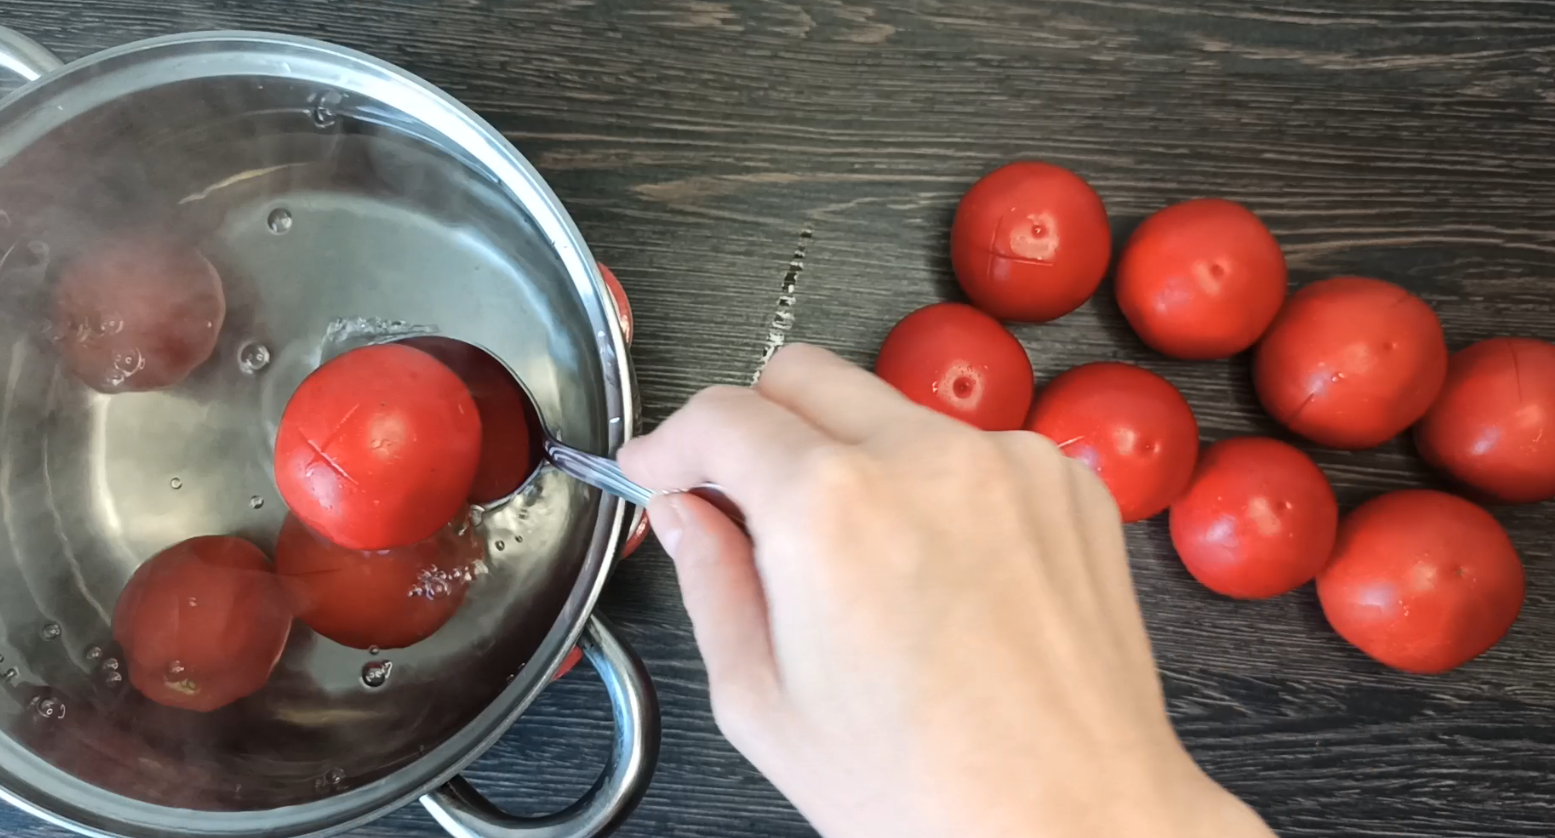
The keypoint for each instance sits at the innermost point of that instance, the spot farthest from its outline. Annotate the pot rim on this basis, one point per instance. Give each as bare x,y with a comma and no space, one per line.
429,106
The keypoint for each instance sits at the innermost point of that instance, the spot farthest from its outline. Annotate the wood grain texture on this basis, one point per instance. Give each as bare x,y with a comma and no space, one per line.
696,141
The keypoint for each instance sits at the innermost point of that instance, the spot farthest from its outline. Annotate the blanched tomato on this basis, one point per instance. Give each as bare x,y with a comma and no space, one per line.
1201,279
961,362
378,448
202,623
386,598
1257,521
137,312
1030,242
1422,581
1351,362
508,448
618,294
1129,425
1493,426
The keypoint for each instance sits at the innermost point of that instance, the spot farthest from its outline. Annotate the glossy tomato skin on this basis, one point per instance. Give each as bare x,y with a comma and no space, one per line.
1493,425
961,362
385,598
509,424
618,295
1030,242
137,312
1258,520
1201,279
1129,425
202,623
1351,362
378,448
1422,581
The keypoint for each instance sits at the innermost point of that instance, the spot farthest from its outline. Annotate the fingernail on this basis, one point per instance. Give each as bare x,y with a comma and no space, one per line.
668,521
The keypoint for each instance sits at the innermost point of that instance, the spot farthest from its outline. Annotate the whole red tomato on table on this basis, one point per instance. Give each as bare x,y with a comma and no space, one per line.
378,448
1351,362
1030,242
1493,426
202,623
508,448
961,362
1202,279
1129,425
386,598
1257,521
1422,581
137,312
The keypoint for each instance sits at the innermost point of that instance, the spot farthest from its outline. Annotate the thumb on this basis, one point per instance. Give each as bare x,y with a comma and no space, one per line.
723,595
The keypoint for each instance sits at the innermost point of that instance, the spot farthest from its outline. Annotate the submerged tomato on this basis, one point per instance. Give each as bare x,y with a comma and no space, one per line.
961,362
1129,425
508,448
386,598
1493,426
137,312
1030,242
202,623
378,448
1351,362
1201,279
1422,581
1257,521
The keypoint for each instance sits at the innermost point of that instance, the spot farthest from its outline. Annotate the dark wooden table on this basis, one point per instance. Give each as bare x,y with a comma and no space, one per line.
721,155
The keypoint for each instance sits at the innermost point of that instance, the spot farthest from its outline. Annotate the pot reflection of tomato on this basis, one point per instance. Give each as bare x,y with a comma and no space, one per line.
137,312
1351,362
573,658
1201,279
378,448
1129,425
1493,426
202,623
1422,581
1257,521
508,448
385,598
961,362
1030,242
618,294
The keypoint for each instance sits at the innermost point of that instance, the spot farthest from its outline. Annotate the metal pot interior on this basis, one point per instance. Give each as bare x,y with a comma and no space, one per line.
322,207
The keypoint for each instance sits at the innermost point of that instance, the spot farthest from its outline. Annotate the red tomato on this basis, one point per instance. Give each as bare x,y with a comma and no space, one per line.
1129,425
1257,521
1422,581
1351,362
638,535
202,623
378,448
1493,426
508,449
573,658
137,312
1202,279
618,294
1030,242
386,598
961,362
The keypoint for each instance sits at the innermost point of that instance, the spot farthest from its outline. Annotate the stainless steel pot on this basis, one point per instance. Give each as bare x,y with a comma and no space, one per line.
336,195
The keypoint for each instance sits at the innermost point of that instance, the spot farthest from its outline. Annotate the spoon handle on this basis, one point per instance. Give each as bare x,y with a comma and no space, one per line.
600,472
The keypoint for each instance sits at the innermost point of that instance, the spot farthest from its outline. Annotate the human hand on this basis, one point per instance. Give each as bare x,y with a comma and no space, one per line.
930,630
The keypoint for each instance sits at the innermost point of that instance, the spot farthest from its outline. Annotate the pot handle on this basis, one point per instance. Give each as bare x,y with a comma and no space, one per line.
25,57
464,813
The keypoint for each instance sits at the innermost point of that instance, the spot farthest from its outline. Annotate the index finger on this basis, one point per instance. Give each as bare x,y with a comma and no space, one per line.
731,436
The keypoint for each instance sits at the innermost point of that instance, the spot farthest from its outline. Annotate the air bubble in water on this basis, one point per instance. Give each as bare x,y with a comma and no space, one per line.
50,631
10,675
501,546
49,708
94,652
111,664
175,483
331,779
112,678
255,502
280,220
326,109
253,357
376,673
373,650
